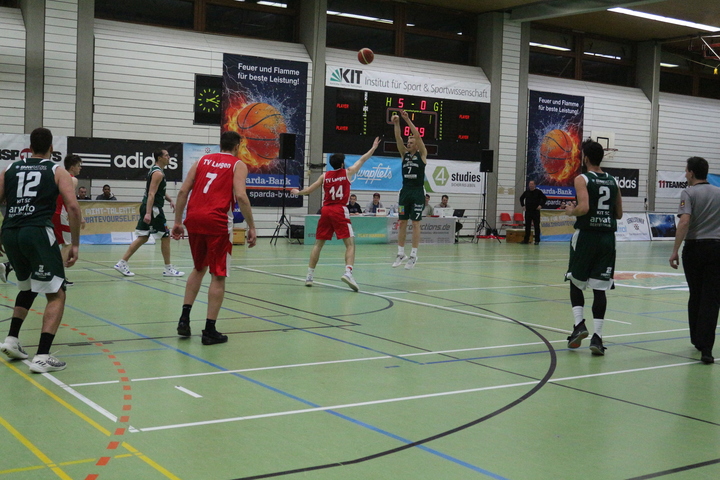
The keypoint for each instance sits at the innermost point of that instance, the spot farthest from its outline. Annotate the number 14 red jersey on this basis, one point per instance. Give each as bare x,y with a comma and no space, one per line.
211,201
336,187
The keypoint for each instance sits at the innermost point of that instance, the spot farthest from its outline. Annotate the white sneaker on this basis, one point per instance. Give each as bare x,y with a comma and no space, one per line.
172,272
13,349
123,268
309,280
411,263
348,278
46,363
399,260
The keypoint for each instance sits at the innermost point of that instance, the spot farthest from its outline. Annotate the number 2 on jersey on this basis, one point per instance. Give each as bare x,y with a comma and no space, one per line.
27,181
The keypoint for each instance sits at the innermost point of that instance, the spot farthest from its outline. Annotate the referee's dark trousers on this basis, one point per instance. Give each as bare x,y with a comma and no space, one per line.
701,262
532,216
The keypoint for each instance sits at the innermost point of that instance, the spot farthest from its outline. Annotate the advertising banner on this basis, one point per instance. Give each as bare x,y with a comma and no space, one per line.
628,180
434,230
380,81
16,146
377,173
444,176
366,229
192,152
633,226
670,184
115,159
110,223
662,226
262,99
556,226
555,132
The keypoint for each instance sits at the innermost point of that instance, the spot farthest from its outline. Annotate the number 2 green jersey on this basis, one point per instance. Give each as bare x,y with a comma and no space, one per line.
603,193
31,193
413,170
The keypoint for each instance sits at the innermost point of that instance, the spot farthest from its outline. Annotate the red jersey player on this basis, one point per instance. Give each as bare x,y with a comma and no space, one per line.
61,224
334,217
217,181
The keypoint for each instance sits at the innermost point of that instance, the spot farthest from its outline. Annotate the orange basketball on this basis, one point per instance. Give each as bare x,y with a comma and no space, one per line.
366,56
261,125
556,151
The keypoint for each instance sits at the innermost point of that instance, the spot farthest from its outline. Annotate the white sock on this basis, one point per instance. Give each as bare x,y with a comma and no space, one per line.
168,266
401,250
311,271
348,268
413,252
578,314
598,323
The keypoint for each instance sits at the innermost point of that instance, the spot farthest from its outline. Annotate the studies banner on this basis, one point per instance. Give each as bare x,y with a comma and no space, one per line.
445,176
262,99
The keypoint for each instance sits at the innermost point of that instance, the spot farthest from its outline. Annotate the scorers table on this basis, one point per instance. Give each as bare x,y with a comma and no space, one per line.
372,229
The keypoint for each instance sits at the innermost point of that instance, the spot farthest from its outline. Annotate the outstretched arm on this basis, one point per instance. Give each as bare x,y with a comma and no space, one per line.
311,188
418,139
357,165
398,136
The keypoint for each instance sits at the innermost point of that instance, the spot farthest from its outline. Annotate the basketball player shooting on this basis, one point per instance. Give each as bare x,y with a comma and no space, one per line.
412,195
334,216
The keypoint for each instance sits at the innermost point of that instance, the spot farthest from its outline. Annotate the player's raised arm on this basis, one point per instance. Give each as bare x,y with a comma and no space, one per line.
418,139
308,190
357,165
398,135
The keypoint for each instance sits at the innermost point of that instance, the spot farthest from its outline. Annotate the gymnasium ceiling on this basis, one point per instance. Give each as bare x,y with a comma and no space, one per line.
591,16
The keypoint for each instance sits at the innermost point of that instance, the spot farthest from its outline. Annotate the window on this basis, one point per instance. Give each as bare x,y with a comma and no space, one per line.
249,23
676,83
355,37
438,49
175,13
552,65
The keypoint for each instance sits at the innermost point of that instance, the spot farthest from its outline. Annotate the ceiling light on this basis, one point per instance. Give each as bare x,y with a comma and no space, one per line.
603,55
359,17
551,47
660,18
668,65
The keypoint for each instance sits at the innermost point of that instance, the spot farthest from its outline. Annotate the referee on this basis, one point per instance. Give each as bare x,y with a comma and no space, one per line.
699,227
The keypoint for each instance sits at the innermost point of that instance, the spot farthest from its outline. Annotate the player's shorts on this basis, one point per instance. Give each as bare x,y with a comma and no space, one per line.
411,204
592,260
61,227
35,255
157,227
213,251
334,219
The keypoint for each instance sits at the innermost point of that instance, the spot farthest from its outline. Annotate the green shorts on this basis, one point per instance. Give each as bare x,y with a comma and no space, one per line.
35,255
411,204
158,224
592,260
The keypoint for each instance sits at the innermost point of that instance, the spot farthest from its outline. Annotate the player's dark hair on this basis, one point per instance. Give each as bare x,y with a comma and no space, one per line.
71,160
699,167
444,196
593,151
229,140
41,140
337,160
158,153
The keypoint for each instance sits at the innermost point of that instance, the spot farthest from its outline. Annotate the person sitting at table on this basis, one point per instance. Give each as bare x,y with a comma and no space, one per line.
83,194
353,207
443,202
427,209
374,205
106,194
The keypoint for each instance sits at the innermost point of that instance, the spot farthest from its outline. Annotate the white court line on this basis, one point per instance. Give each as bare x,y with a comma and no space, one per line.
189,392
84,399
399,399
350,360
495,288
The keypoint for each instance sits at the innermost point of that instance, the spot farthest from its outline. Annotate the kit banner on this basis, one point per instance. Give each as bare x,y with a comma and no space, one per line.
670,184
262,99
17,146
555,132
117,159
632,227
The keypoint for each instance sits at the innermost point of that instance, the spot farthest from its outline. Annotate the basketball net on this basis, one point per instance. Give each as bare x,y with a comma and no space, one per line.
609,154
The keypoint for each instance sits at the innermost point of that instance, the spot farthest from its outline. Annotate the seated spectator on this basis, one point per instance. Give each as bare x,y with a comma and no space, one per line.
374,205
106,194
83,194
427,209
352,206
443,202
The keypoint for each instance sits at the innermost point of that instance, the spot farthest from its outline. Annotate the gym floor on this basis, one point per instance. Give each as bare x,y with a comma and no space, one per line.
457,369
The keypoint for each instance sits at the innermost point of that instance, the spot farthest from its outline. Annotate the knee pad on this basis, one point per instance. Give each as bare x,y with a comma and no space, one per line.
25,299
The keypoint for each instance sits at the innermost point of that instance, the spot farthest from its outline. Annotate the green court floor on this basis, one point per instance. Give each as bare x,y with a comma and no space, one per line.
457,369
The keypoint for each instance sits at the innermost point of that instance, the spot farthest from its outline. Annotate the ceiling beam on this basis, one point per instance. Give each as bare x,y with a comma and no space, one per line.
564,8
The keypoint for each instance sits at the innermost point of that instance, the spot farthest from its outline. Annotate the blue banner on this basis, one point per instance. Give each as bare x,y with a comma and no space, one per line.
380,174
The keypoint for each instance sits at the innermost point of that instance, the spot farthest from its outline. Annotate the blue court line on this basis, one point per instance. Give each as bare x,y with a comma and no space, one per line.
291,396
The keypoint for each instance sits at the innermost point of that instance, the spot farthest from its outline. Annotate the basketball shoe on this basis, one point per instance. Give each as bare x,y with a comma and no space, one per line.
211,338
5,269
348,278
171,271
46,363
399,260
309,280
596,345
122,267
411,263
13,349
579,332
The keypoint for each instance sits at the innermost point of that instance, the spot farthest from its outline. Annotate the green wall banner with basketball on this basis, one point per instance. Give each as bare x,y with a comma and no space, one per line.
262,99
555,132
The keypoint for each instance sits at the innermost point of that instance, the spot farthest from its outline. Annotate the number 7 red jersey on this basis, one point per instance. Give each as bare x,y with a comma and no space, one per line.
209,210
336,187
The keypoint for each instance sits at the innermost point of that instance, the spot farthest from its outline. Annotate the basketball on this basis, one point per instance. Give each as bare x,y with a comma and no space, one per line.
556,151
366,56
260,125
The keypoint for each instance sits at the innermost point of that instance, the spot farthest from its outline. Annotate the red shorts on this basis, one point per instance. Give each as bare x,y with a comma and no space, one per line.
212,251
61,227
334,219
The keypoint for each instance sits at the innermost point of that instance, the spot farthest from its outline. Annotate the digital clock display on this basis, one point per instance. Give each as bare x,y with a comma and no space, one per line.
451,129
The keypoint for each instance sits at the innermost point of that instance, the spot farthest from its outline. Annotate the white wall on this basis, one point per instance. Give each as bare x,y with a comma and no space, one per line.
688,127
608,108
12,71
60,66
